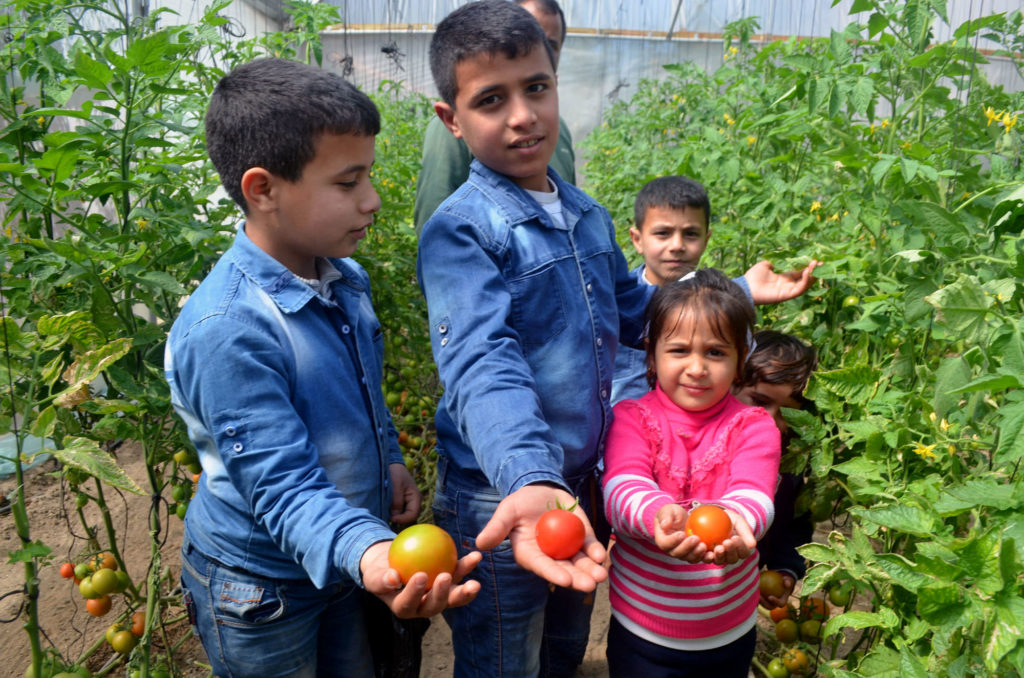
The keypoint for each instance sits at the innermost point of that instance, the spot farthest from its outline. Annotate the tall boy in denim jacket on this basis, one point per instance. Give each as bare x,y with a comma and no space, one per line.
528,297
275,365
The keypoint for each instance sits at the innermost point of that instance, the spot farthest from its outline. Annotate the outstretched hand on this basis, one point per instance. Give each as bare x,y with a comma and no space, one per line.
670,537
413,599
769,287
516,517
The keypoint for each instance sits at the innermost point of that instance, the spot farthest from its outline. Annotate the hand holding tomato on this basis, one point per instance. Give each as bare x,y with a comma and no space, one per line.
516,518
775,588
670,535
694,548
414,599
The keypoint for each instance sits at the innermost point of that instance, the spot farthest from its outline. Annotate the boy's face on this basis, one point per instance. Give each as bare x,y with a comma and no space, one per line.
507,112
671,241
323,214
772,397
550,24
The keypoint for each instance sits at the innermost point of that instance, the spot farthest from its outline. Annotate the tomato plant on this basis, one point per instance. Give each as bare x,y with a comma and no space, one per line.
423,548
560,533
711,523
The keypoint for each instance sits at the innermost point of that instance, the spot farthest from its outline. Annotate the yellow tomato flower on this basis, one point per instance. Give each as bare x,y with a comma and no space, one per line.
885,123
991,115
141,223
815,206
1008,122
728,119
834,217
925,451
751,140
40,120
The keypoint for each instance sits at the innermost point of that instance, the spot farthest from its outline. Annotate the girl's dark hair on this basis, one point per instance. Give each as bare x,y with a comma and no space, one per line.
270,113
485,27
780,358
709,295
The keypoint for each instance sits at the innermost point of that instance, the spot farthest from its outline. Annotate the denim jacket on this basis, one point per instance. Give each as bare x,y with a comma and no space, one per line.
280,390
525,319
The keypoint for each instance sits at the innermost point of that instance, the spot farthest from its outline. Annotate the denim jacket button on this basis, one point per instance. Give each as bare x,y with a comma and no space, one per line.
600,341
442,329
237,447
590,288
345,329
604,393
444,342
230,431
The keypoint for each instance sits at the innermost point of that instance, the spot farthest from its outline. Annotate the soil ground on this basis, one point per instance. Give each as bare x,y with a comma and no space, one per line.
69,629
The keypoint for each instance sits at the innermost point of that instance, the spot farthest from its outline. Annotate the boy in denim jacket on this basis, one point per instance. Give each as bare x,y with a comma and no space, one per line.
275,365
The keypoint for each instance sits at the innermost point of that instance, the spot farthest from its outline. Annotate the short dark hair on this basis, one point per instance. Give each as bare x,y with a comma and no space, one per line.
712,295
484,27
270,113
549,7
780,358
675,192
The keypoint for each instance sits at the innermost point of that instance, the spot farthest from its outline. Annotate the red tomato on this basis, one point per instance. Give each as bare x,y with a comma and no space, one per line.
711,523
779,613
67,570
98,607
423,548
560,533
138,623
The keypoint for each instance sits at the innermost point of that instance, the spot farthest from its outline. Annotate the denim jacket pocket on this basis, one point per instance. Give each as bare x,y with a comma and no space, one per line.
538,306
241,600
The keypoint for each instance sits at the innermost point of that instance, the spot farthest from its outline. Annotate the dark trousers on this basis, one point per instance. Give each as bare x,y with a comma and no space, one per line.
630,656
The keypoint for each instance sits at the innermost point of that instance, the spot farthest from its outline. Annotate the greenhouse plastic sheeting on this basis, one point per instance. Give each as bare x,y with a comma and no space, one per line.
611,44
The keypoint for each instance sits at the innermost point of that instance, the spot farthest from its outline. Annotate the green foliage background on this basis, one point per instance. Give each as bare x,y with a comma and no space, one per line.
885,155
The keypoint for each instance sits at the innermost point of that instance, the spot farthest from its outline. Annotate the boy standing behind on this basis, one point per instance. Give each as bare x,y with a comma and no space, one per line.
528,294
672,225
275,365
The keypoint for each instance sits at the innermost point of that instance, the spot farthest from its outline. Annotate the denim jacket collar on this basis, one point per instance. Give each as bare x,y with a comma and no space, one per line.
281,285
574,203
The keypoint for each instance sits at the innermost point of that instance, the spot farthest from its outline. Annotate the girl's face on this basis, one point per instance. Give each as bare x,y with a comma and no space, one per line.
695,368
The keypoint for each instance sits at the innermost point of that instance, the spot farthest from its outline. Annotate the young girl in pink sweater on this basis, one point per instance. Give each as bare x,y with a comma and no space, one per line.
680,608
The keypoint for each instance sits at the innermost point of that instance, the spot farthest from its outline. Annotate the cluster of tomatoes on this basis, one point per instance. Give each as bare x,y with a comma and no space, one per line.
98,578
181,492
792,625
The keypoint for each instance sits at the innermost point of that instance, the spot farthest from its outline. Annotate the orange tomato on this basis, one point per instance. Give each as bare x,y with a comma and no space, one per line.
423,548
711,523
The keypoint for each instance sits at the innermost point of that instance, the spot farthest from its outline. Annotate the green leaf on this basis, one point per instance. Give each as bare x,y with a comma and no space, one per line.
882,167
1011,433
861,95
856,383
163,281
989,382
941,603
44,424
858,619
877,23
909,169
861,6
902,517
94,74
911,665
952,374
901,571
88,366
1006,632
87,456
29,552
963,308
839,47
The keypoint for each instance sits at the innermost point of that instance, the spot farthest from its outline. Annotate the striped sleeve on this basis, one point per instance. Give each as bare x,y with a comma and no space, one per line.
631,494
754,471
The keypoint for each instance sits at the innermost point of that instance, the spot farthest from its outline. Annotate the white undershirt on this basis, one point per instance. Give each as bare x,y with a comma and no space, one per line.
551,202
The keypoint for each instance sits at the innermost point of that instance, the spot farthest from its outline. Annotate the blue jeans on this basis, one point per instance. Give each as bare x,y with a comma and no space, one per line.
253,626
519,625
629,656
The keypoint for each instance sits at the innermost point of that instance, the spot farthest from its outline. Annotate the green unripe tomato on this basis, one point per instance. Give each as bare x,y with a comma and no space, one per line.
123,581
181,509
851,300
82,570
776,669
85,588
81,500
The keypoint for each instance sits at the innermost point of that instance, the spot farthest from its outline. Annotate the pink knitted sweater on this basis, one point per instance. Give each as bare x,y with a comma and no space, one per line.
657,454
